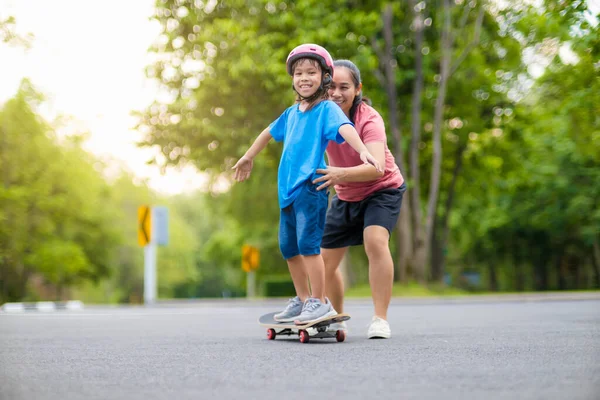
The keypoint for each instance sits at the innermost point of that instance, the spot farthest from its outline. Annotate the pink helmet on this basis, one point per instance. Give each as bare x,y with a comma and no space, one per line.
314,51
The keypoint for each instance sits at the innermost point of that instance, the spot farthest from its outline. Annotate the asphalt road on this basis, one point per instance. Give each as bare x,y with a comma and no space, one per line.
439,350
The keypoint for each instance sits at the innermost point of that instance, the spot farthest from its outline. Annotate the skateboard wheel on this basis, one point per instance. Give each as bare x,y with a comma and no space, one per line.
271,334
304,337
340,335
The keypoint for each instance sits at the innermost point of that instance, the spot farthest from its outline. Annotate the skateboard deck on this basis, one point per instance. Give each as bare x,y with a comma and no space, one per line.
319,326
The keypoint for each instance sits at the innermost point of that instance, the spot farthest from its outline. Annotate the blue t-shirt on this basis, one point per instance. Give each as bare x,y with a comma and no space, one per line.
305,137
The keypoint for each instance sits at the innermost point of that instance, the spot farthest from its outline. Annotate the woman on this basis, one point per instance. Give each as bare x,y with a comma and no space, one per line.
367,203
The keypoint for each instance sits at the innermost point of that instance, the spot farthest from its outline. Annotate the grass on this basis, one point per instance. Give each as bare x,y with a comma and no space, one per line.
409,290
413,289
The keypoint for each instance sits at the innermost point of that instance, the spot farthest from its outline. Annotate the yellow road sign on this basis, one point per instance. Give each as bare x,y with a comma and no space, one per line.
250,258
144,224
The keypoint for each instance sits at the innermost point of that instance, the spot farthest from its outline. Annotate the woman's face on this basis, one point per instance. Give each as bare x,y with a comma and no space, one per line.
342,90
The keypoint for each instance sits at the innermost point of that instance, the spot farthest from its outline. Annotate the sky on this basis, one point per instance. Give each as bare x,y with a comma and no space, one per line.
88,59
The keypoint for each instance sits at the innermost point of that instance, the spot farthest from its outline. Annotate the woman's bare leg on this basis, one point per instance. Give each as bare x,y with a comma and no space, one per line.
334,281
381,267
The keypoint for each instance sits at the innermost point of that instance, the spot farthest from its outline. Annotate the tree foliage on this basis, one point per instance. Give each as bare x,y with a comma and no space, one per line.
223,63
518,131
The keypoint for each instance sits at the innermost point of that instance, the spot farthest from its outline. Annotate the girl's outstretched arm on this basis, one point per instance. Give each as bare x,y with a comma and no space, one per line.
244,165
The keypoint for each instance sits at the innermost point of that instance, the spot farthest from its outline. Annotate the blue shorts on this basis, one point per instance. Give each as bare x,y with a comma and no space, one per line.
301,224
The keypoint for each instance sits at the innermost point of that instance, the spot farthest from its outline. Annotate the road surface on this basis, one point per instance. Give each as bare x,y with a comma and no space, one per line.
440,349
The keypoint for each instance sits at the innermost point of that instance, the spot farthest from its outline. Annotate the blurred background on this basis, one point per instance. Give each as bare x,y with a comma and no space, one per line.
492,110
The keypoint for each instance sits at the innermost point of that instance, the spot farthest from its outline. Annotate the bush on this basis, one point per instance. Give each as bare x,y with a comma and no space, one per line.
278,286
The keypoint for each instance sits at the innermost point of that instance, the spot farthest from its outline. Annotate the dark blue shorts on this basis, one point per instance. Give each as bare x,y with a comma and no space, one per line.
347,220
301,224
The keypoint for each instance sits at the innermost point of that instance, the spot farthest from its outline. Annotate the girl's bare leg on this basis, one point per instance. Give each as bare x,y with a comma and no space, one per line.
299,274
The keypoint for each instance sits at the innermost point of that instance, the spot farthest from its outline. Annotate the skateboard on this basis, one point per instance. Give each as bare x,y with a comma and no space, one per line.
289,328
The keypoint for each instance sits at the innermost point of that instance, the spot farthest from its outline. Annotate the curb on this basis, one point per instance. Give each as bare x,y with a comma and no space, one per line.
396,300
42,306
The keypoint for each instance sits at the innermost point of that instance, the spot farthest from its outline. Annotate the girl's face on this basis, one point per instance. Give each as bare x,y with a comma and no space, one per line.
342,90
307,77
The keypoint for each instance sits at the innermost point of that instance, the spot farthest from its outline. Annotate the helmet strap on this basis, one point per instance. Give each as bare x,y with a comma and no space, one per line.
310,98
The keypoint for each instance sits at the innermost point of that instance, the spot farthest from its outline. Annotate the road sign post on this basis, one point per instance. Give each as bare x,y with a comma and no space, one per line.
150,273
251,285
153,230
250,263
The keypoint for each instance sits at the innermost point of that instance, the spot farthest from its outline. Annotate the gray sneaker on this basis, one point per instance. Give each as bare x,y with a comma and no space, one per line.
313,309
291,312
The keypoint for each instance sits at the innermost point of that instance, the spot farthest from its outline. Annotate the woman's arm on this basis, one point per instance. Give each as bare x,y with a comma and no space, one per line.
360,173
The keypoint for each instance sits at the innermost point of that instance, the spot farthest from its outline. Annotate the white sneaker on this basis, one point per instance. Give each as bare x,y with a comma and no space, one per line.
338,326
379,328
331,329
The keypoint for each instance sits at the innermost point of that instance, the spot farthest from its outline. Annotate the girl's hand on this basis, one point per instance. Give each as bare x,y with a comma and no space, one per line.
243,168
367,158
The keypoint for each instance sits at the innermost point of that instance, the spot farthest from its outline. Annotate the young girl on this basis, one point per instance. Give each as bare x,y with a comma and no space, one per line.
305,128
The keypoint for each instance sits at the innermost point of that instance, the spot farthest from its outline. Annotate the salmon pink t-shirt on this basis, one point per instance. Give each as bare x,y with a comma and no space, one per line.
370,128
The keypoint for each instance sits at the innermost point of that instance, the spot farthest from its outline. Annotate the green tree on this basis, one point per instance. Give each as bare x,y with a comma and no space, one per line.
55,219
454,75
